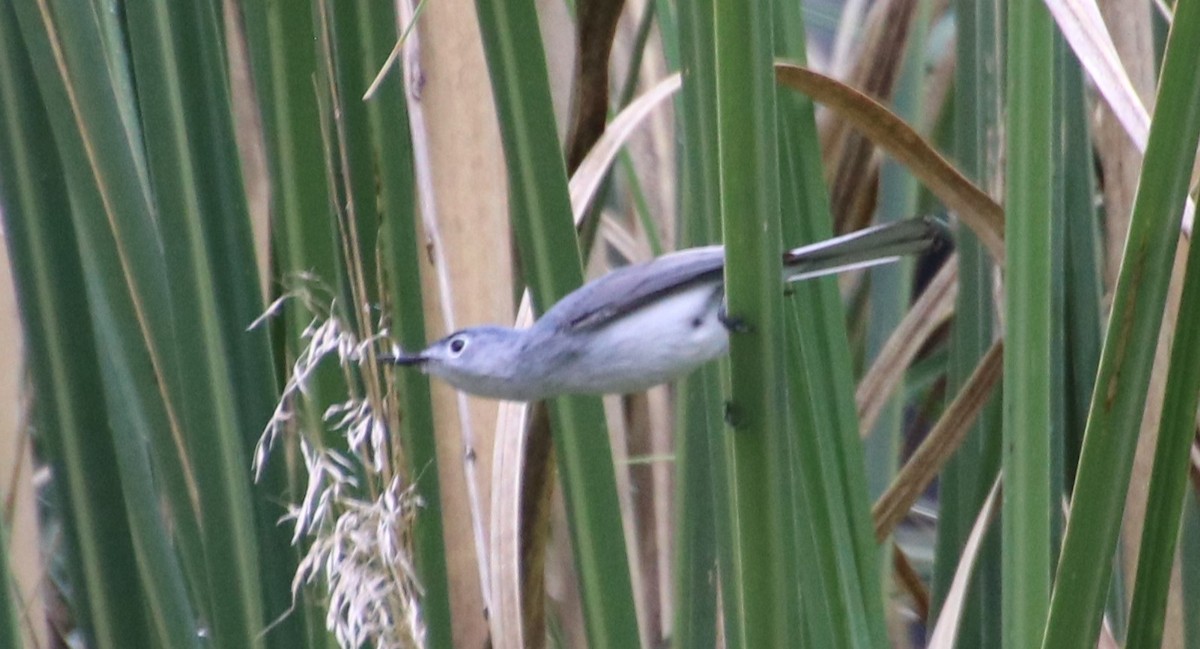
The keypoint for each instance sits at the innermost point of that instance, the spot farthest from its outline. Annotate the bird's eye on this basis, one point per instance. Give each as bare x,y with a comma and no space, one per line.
457,346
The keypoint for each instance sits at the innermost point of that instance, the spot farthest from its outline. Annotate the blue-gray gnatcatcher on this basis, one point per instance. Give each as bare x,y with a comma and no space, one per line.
639,325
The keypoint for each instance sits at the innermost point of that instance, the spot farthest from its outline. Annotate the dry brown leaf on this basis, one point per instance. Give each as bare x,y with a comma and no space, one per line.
910,581
1084,29
504,542
934,307
846,153
595,27
939,445
590,175
946,629
973,206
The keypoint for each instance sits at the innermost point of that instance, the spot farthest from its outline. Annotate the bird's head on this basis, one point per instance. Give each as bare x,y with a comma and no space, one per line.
479,360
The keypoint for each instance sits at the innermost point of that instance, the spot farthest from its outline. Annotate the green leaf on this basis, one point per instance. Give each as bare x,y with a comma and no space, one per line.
699,456
1025,513
541,214
1084,569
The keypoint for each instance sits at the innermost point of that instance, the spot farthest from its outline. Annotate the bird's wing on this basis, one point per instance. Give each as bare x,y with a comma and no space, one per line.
629,288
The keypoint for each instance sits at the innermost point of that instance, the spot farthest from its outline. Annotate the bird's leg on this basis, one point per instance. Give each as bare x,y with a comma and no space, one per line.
732,324
732,418
735,324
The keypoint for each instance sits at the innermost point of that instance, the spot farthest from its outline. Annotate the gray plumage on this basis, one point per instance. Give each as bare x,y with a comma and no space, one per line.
639,325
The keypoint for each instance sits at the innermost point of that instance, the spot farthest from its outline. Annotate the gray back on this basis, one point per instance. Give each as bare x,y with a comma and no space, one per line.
629,288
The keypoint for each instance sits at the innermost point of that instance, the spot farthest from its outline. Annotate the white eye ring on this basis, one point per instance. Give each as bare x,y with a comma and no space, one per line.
457,346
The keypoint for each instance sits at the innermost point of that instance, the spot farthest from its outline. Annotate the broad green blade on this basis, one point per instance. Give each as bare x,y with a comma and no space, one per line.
1025,513
699,456
964,483
838,556
1085,566
541,214
760,532
380,151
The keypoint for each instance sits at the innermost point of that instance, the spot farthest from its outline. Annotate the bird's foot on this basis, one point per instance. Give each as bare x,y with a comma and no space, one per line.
734,324
731,415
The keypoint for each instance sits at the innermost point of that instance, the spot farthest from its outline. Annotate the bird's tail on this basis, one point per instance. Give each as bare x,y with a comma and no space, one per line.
871,246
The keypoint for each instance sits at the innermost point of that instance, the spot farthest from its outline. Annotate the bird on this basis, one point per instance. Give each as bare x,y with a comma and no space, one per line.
640,325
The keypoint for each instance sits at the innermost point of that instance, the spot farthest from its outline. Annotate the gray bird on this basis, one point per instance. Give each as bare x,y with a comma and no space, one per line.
642,324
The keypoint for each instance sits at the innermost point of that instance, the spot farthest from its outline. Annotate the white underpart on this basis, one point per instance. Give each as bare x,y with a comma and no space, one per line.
652,345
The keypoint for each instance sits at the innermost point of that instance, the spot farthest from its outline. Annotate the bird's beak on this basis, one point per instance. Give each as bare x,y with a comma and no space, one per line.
403,359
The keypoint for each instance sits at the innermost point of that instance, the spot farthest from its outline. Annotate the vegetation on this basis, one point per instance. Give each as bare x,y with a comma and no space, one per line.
219,216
